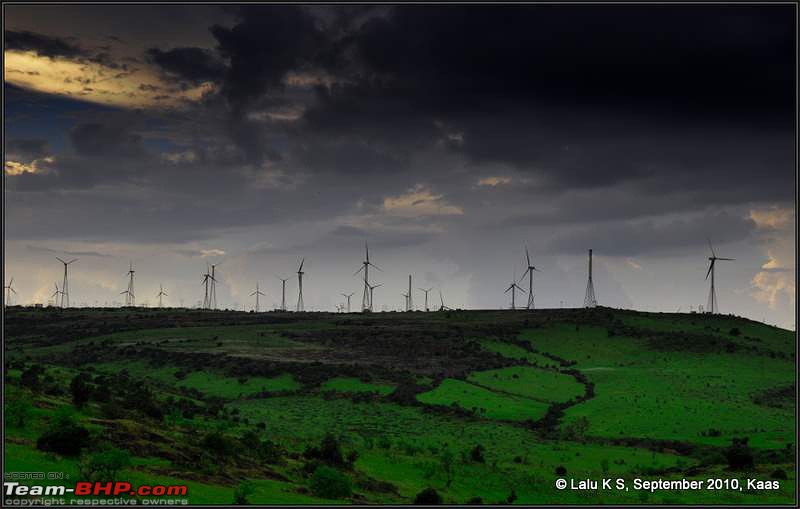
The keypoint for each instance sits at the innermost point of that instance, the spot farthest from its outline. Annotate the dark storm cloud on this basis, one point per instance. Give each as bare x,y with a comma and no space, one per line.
265,44
26,149
652,237
43,45
195,65
96,139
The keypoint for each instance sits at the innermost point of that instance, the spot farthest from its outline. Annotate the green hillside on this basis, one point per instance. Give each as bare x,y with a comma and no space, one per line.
481,406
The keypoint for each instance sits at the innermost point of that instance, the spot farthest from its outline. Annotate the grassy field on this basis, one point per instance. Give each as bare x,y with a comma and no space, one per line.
481,406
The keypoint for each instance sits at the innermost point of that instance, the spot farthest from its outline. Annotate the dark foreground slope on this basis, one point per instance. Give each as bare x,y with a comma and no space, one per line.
489,406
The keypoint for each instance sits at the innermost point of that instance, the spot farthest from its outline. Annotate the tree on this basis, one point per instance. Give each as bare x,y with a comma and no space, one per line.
80,390
104,466
243,490
17,410
428,496
327,482
63,436
447,460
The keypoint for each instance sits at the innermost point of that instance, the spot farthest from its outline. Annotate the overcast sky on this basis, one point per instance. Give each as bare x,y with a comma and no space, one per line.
449,137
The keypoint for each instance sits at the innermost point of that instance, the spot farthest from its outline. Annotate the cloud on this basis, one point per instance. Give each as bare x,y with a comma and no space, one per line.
39,249
195,65
95,139
419,201
493,181
40,44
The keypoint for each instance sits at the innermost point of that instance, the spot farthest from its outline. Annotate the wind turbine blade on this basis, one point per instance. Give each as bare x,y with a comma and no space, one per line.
12,289
729,259
380,269
527,256
359,270
508,289
524,274
366,247
73,260
11,282
712,248
710,266
62,261
301,264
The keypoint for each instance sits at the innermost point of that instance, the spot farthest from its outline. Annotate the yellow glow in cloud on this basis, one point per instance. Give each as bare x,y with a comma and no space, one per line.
769,286
13,168
493,181
772,217
94,82
420,202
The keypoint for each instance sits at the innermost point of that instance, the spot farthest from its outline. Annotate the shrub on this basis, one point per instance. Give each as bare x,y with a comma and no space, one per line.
63,436
328,482
735,332
561,470
243,490
104,466
217,444
428,496
80,390
17,410
477,454
778,474
739,455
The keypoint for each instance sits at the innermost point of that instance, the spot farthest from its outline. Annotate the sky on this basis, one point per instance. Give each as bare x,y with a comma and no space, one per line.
448,137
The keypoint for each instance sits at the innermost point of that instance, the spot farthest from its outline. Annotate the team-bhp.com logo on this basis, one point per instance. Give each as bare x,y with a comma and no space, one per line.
94,489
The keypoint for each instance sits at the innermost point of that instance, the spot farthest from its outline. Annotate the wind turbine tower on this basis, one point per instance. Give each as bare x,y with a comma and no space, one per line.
410,306
712,306
207,277
65,283
426,296
212,296
300,286
529,272
513,287
161,293
590,301
130,296
283,291
371,289
366,300
9,288
347,296
257,293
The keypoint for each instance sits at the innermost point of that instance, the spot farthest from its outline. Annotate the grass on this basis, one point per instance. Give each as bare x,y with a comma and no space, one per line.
483,401
538,384
354,385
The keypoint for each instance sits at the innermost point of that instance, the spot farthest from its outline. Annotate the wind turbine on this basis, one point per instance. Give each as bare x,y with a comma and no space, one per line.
513,287
426,296
206,278
300,285
9,290
347,296
55,295
529,271
366,300
371,289
256,293
712,294
283,290
441,299
161,293
130,296
65,284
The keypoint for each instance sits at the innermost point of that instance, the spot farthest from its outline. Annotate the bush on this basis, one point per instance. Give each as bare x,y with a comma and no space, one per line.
63,436
104,466
243,490
17,410
428,496
735,332
779,474
561,470
80,390
739,455
477,454
328,482
217,444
